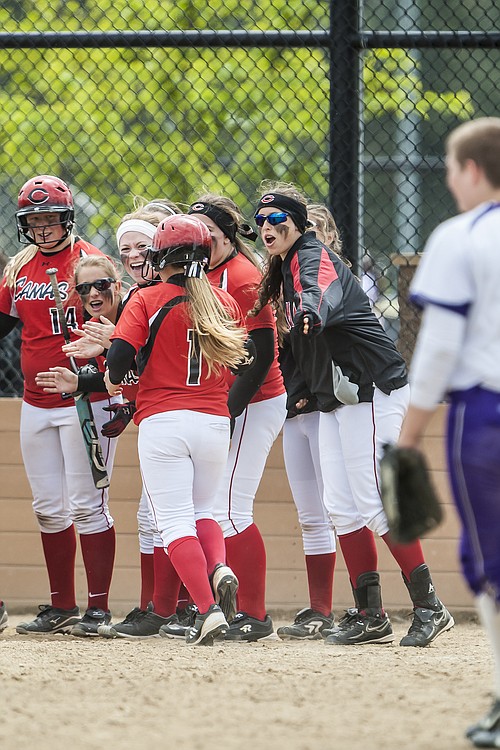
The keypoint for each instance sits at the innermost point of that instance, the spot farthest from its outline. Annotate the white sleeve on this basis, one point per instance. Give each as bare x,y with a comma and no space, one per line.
437,350
443,276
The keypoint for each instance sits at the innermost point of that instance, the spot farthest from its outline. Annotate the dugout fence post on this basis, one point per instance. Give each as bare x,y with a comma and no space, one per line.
345,112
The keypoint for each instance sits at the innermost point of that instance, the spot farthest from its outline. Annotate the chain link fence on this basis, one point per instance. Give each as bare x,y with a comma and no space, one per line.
350,102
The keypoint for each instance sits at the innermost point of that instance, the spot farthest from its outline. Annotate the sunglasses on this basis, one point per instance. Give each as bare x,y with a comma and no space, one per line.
102,285
278,217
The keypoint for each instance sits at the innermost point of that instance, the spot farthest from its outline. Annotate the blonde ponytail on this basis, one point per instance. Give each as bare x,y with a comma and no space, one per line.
221,338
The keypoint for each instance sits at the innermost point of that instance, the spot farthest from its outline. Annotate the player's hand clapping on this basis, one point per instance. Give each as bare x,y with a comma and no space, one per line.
93,339
84,348
112,388
57,380
99,333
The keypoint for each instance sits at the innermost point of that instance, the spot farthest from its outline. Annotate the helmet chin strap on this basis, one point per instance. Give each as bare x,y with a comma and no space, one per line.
59,246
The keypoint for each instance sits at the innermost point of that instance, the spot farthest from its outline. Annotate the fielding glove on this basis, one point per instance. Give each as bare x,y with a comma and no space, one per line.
410,501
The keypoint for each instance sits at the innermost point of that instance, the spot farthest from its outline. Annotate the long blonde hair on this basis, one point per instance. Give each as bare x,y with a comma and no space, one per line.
21,258
221,337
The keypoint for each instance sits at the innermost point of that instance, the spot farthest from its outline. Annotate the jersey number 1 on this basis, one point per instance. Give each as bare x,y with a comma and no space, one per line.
194,358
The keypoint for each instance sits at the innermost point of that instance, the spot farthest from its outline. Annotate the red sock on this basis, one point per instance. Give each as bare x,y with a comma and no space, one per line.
186,555
98,552
167,584
360,552
60,551
320,570
212,542
407,556
147,579
246,556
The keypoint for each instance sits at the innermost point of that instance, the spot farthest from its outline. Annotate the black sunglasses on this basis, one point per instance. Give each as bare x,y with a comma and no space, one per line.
277,217
102,285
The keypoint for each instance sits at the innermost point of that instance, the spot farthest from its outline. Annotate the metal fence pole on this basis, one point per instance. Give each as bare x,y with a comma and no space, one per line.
344,123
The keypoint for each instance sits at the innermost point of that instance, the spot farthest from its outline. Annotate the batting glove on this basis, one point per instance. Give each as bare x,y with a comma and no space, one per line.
122,414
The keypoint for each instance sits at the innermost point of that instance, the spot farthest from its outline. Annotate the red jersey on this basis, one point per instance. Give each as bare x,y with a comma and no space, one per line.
130,382
32,301
172,372
238,276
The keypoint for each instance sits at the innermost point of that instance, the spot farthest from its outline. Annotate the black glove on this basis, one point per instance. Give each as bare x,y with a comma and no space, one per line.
122,414
409,498
314,323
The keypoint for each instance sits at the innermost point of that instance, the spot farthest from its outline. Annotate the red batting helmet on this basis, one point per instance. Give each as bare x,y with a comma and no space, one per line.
44,194
180,240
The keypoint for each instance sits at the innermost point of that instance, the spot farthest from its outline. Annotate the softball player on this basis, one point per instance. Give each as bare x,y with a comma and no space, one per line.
159,580
54,455
97,282
457,355
160,583
257,403
360,383
182,335
302,464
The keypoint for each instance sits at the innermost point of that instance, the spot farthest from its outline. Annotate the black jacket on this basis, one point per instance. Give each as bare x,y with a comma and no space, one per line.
345,331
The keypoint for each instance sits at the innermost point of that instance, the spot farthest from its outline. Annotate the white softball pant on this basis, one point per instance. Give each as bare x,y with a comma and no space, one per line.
149,538
182,455
57,466
303,469
255,431
350,444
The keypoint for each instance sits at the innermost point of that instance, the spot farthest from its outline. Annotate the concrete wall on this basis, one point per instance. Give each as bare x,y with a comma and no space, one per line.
23,580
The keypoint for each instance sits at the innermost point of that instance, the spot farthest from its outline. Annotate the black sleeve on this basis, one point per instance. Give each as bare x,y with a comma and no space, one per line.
317,286
296,387
7,324
120,359
91,382
246,385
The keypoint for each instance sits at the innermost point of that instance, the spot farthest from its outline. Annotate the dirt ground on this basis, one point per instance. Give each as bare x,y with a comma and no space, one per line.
63,691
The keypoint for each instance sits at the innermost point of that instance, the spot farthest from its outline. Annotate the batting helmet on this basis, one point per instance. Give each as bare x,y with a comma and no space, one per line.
180,240
44,194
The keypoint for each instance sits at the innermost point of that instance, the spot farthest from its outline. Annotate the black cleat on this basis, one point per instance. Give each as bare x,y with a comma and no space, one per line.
348,618
358,627
50,620
91,620
207,627
187,615
487,731
174,629
308,625
179,624
138,624
248,629
427,625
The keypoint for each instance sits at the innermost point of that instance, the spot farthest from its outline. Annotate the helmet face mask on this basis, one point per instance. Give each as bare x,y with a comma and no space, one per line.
180,240
51,197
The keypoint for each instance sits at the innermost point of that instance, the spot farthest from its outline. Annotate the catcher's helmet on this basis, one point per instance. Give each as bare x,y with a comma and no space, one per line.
44,194
180,240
